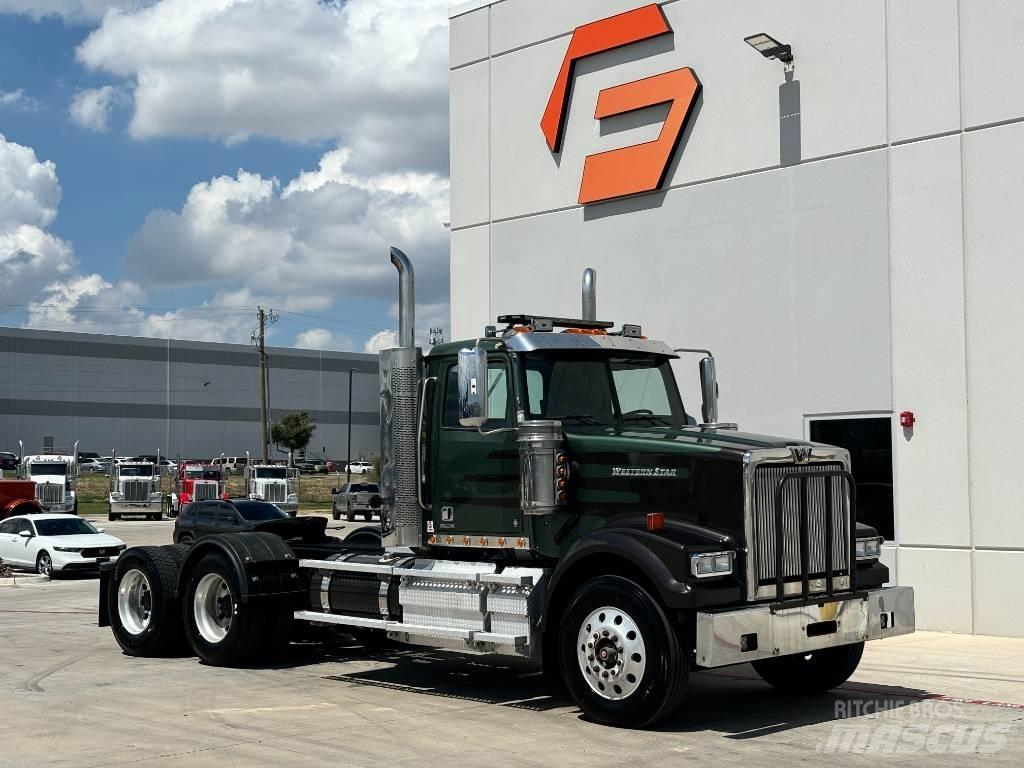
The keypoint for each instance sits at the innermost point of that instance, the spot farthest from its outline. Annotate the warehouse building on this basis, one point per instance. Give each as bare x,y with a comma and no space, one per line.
834,207
183,398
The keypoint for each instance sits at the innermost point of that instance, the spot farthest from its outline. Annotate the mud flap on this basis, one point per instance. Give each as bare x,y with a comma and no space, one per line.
106,574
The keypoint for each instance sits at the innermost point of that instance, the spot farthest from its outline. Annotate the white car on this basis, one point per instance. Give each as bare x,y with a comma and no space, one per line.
50,544
360,467
91,466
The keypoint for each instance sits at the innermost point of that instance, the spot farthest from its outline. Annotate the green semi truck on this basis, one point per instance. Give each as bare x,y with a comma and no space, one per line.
546,494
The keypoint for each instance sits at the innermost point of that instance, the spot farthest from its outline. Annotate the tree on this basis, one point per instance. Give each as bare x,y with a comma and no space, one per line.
293,431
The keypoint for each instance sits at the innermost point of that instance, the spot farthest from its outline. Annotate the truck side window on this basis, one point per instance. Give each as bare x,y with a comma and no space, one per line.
497,395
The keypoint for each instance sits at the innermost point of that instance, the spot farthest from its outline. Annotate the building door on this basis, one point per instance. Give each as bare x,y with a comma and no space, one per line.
868,438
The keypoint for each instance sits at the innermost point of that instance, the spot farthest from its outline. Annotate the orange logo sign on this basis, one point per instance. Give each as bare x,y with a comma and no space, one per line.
640,168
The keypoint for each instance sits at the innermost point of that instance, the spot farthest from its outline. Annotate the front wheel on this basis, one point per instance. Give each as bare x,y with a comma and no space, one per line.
814,672
621,659
44,565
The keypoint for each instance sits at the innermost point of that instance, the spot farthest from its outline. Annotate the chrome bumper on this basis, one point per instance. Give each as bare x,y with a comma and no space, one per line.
759,632
136,507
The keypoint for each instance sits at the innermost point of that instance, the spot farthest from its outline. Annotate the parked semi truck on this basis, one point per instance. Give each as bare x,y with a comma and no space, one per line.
196,482
135,490
546,494
274,483
56,480
18,497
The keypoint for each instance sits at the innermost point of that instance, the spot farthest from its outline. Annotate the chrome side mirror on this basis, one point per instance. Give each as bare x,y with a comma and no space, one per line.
709,390
472,387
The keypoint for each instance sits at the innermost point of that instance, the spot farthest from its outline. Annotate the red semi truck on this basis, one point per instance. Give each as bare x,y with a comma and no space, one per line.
18,497
196,482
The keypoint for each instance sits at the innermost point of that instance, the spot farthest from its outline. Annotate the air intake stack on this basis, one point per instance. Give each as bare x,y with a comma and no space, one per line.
589,294
401,516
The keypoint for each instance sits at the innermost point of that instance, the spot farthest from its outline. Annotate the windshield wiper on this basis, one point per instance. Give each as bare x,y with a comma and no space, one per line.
582,417
648,416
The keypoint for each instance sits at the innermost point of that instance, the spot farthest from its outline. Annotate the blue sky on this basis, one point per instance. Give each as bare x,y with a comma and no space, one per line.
313,246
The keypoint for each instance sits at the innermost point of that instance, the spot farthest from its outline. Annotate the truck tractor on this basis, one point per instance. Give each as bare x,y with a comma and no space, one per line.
196,482
135,490
546,494
274,483
56,480
18,497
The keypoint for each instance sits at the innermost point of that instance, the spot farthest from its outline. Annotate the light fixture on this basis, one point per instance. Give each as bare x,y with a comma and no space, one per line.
870,548
769,47
706,564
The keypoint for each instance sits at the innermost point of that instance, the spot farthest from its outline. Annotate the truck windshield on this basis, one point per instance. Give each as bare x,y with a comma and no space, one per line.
272,473
202,474
126,471
49,468
602,389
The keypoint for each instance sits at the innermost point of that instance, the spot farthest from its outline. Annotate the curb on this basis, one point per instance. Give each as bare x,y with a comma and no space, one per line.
21,579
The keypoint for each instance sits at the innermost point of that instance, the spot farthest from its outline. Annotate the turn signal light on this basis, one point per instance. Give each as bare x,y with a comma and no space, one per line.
655,521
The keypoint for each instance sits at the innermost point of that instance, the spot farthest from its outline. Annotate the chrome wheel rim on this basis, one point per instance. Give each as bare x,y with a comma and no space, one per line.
213,607
45,565
135,602
611,653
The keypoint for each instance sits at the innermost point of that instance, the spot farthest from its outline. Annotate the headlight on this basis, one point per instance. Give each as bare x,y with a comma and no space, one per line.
708,564
869,549
68,549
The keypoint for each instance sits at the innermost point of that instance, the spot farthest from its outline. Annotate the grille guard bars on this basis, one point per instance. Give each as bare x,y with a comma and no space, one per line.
829,476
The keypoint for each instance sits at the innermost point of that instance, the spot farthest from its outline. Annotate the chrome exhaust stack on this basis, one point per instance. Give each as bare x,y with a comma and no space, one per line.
589,294
401,516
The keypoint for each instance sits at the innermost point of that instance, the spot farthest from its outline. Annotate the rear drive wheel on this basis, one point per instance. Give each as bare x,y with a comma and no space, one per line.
143,611
44,565
620,657
224,631
814,672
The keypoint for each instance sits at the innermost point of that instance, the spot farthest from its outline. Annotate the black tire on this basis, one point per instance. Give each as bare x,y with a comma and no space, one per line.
158,632
335,513
185,539
74,510
814,672
663,666
44,564
349,517
256,631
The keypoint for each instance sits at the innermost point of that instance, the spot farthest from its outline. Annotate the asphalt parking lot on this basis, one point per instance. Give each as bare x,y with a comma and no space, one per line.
72,699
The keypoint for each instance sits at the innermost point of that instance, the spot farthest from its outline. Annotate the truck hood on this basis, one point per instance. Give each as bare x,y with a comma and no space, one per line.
642,439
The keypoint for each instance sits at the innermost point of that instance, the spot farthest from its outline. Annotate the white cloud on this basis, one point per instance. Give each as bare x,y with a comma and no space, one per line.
91,108
321,338
69,10
304,245
381,340
29,196
18,101
370,73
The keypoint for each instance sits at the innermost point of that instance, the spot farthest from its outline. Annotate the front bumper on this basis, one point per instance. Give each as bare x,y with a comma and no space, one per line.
736,636
136,507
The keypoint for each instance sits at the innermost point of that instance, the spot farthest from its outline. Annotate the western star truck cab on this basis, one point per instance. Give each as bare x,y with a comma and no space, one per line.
196,482
545,493
273,483
56,481
135,490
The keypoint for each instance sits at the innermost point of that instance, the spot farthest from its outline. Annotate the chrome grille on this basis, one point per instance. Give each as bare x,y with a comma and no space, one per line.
274,492
766,482
136,490
203,491
50,493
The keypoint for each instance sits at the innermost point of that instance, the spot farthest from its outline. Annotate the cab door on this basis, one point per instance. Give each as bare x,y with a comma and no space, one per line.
474,477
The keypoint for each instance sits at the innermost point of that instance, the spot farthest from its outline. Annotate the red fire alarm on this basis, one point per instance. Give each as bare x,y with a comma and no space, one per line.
907,419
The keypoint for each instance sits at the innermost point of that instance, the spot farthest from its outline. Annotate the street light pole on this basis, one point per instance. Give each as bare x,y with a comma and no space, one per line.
348,460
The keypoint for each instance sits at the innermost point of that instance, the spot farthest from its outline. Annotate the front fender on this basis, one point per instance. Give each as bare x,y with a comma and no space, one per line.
265,564
660,560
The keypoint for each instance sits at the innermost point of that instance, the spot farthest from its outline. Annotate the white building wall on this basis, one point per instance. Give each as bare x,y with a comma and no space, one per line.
867,262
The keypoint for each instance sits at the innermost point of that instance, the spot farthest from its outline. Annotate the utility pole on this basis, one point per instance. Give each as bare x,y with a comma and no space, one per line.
348,460
259,337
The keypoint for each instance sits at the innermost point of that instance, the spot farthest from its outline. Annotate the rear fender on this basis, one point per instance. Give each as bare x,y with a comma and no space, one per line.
265,564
